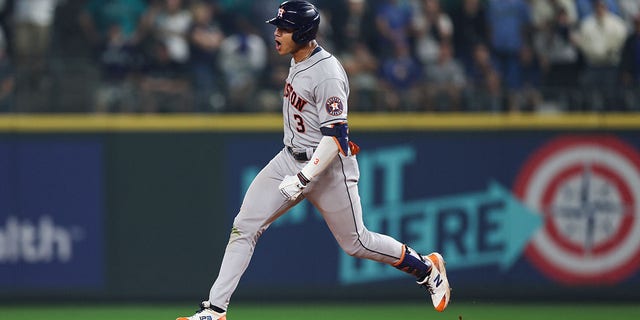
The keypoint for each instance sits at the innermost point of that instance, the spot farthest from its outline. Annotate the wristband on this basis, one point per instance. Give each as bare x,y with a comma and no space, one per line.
302,179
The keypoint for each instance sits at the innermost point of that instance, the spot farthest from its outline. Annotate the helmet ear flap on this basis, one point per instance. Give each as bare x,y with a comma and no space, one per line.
305,33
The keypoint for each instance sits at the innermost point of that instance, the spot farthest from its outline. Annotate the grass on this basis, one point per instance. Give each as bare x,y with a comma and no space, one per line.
240,311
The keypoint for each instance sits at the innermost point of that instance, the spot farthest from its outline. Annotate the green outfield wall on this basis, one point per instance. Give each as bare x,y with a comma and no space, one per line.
140,206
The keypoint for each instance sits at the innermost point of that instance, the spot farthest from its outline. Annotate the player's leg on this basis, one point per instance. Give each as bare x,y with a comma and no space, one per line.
262,204
335,195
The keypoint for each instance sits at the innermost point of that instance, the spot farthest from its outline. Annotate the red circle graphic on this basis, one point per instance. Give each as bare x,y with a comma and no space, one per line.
619,183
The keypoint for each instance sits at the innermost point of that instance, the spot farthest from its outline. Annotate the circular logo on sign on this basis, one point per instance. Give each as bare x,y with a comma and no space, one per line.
334,106
588,190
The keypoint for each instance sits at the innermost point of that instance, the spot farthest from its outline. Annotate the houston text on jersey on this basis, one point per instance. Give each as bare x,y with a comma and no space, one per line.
293,97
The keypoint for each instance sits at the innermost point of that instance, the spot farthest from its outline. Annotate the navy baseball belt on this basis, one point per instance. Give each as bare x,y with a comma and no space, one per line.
299,155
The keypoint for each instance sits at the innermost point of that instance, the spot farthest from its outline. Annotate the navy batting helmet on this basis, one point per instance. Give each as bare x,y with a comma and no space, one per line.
300,16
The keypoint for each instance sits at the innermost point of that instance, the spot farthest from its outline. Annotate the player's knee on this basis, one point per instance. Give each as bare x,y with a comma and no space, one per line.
351,250
241,232
354,249
356,245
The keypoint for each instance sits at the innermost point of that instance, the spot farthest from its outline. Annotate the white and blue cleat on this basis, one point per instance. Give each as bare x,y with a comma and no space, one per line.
436,282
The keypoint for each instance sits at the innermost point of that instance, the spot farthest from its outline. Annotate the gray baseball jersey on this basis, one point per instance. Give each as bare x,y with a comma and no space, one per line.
315,95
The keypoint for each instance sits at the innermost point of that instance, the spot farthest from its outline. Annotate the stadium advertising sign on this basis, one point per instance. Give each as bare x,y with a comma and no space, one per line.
478,228
587,189
51,215
535,209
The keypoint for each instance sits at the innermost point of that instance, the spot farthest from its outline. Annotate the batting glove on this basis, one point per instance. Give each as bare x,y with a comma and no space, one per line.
291,186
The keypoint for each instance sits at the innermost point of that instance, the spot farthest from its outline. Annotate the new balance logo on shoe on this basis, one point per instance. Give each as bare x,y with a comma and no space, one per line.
206,318
437,281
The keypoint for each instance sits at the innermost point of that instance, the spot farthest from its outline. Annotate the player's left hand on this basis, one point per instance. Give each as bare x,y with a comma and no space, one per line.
291,187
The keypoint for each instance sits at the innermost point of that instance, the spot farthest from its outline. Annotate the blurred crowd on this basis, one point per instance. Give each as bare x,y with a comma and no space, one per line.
401,55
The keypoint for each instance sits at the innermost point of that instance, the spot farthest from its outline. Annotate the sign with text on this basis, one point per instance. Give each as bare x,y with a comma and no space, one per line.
538,209
51,214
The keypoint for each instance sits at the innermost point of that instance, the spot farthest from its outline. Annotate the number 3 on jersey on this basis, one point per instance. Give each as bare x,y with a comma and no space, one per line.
299,123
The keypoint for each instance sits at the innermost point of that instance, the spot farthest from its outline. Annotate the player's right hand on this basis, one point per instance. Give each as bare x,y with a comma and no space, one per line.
291,187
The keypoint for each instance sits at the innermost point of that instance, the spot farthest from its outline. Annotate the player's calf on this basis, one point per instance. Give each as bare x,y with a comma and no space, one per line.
413,263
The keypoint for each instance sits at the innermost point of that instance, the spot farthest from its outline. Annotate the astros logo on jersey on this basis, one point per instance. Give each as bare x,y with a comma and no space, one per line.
334,106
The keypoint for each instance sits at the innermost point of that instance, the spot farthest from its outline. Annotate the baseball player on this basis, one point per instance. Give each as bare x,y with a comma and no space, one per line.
317,162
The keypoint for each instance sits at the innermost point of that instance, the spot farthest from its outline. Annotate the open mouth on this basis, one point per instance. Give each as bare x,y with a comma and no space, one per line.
278,45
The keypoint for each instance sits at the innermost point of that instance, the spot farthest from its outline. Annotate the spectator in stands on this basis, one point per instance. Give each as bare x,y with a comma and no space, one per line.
484,92
231,10
470,25
445,81
170,24
165,85
509,20
432,27
6,9
600,39
558,58
544,12
205,38
113,30
33,20
630,67
361,66
119,60
352,27
588,7
32,30
7,77
269,96
243,59
629,9
99,16
400,78
325,31
393,23
528,96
